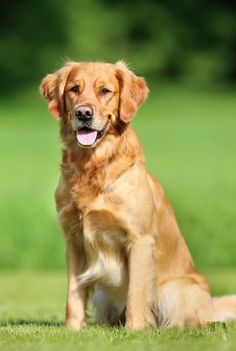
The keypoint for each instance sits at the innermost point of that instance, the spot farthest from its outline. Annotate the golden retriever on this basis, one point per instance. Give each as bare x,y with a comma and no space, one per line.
123,243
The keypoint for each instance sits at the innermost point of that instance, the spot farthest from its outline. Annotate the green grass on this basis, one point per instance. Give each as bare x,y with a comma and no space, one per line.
32,312
189,142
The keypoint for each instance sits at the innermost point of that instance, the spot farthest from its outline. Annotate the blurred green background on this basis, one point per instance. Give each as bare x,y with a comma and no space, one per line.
187,52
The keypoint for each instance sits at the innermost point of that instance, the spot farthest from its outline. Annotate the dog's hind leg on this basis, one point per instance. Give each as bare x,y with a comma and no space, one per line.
183,303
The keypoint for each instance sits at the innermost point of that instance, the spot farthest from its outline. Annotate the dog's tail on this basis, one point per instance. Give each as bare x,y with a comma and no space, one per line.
224,308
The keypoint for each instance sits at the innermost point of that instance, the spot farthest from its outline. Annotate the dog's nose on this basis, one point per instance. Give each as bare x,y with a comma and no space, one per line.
84,112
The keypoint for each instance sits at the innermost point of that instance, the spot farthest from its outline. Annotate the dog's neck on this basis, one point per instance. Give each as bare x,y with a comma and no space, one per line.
90,171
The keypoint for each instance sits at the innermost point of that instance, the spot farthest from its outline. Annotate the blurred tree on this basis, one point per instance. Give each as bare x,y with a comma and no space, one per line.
31,36
191,41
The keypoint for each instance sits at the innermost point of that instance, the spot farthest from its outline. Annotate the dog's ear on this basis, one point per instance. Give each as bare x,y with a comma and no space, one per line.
52,88
133,91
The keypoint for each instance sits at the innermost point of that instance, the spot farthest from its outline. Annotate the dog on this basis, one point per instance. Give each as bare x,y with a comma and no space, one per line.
123,244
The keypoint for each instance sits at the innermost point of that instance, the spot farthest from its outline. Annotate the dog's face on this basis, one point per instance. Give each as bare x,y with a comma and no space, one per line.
92,99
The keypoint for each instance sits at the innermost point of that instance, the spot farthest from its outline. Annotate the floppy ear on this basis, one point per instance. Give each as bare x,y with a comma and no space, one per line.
52,88
133,91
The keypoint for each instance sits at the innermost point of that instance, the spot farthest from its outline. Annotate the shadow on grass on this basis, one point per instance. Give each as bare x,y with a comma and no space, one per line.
33,323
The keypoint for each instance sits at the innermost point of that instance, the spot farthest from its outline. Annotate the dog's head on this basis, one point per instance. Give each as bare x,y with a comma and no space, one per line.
93,99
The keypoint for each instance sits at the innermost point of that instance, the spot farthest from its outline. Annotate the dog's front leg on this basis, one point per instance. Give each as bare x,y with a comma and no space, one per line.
141,280
77,295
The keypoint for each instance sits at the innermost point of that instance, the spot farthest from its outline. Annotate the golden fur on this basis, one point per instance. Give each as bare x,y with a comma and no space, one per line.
123,242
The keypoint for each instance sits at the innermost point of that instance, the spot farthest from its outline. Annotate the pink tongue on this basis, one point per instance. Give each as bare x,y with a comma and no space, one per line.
86,137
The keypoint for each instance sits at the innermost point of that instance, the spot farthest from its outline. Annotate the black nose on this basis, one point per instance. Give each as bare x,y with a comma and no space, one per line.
84,112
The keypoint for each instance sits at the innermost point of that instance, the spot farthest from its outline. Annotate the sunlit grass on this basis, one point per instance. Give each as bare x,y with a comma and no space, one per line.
32,313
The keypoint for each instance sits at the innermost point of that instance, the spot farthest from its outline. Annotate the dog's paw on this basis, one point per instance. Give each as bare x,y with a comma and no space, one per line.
74,324
136,325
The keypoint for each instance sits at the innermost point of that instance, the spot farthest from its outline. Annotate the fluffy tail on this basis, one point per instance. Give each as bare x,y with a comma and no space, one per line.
224,308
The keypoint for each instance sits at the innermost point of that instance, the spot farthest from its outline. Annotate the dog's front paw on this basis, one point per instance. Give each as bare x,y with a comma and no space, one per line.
136,325
74,324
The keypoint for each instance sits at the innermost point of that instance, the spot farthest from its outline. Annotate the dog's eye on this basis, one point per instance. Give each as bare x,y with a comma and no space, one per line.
75,89
105,91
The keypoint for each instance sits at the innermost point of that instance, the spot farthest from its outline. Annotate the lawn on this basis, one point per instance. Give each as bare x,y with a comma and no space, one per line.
190,145
32,311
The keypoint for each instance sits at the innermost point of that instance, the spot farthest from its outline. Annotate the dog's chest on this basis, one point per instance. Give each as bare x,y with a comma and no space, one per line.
104,242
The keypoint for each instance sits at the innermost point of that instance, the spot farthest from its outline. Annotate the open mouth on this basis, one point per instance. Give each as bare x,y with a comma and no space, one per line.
87,136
